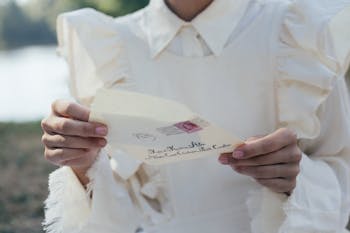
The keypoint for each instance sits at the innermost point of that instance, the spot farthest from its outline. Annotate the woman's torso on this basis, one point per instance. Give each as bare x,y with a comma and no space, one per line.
235,91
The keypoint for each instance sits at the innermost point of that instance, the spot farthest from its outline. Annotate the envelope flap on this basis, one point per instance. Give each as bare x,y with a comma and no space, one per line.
136,104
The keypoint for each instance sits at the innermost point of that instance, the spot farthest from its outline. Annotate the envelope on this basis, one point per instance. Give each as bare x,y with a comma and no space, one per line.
157,131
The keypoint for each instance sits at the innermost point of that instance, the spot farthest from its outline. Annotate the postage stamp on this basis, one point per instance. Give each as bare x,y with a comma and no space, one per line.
190,126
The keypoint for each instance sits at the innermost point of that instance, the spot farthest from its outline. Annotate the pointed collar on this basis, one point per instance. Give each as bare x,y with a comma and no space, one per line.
215,24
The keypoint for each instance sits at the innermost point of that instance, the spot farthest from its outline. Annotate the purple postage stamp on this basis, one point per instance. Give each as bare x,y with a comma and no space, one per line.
188,126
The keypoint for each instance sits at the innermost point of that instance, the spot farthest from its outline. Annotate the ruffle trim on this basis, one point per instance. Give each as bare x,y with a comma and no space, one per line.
112,209
148,186
69,207
307,65
322,213
90,38
66,194
308,68
277,213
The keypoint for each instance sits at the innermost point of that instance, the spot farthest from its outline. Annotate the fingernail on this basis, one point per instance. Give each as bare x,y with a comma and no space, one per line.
238,154
223,160
101,130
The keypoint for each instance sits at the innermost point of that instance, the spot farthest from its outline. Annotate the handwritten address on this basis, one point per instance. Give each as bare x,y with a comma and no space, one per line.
172,151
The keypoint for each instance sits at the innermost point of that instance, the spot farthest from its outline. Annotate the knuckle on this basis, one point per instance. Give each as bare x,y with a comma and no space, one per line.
61,140
289,134
69,108
285,131
48,154
62,125
293,138
55,104
290,157
293,171
298,156
57,126
44,139
93,143
43,123
293,155
86,129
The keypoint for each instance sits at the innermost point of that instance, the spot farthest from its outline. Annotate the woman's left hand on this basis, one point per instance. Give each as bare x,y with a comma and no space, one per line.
272,160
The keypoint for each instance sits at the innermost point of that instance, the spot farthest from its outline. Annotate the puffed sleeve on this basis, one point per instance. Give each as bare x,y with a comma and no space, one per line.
125,192
94,51
92,47
312,99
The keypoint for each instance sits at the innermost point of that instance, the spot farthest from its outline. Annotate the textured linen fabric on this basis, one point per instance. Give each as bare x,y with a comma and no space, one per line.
249,66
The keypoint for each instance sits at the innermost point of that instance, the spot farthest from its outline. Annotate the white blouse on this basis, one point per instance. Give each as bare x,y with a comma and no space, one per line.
250,67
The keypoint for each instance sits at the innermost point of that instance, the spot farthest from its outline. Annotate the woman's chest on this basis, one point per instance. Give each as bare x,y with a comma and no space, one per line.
235,91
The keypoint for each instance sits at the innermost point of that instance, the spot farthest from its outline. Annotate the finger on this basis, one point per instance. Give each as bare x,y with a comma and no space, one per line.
226,158
73,142
269,171
72,110
70,127
278,185
265,145
58,155
289,154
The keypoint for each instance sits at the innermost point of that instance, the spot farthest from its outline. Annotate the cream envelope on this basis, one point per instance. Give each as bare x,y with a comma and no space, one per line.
156,130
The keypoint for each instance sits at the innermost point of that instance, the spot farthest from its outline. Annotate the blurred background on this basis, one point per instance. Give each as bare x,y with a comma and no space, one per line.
32,76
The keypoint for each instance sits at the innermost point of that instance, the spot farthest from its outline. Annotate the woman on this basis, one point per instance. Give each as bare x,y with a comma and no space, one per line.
269,71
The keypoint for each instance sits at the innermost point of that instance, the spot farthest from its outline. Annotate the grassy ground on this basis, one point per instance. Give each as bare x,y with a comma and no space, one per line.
23,178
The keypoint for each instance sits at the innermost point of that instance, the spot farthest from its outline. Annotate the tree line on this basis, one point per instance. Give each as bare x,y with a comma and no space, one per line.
34,22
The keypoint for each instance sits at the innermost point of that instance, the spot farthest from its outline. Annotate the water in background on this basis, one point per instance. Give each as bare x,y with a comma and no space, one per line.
30,79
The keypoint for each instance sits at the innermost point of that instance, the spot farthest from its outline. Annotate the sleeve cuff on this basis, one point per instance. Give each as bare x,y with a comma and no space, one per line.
69,207
314,205
68,204
315,202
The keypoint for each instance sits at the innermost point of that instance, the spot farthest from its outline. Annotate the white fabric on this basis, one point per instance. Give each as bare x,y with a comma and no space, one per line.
265,64
214,28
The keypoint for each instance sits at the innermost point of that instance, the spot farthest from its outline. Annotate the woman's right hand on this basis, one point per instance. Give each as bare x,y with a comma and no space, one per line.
70,140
